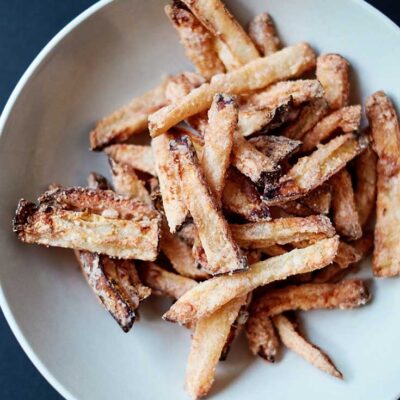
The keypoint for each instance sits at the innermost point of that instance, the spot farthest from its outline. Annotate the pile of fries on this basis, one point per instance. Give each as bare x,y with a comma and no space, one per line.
253,200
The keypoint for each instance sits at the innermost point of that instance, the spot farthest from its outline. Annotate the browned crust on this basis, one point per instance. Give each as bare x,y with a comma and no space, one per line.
223,255
386,143
345,215
312,296
263,33
182,84
312,171
333,72
319,200
198,41
95,181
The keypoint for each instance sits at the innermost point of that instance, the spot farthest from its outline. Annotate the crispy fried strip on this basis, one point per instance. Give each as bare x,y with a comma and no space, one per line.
52,226
225,55
386,143
129,120
263,33
220,22
164,283
312,171
293,340
365,189
291,209
309,116
345,214
198,252
218,141
208,341
222,253
311,296
212,294
274,250
180,85
198,41
319,200
180,255
168,176
333,73
137,156
261,336
287,63
127,183
346,119
281,231
241,197
277,148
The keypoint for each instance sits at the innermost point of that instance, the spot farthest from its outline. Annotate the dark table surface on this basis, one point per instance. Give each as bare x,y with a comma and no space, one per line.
25,27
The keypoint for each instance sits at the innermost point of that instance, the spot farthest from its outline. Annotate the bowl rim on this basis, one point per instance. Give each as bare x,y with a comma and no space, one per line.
35,64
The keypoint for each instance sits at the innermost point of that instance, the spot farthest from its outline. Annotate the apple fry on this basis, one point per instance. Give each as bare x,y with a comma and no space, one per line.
345,214
292,339
333,73
223,255
287,63
312,171
218,142
129,120
198,41
219,21
263,33
259,235
212,294
346,119
386,143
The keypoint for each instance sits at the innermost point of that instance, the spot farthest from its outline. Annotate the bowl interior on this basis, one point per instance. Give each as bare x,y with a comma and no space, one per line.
118,52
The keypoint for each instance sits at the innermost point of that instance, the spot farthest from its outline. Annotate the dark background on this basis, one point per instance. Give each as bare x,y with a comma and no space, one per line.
25,28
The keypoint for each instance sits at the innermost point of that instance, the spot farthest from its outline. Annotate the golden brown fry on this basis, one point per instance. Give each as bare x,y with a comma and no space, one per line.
95,181
274,250
292,339
259,235
107,290
261,336
225,55
180,255
287,63
365,189
311,296
198,41
129,120
263,33
220,22
309,116
127,183
222,253
180,85
168,176
218,141
240,196
346,119
137,156
312,171
386,143
291,209
277,148
345,214
82,230
348,254
319,200
198,251
208,341
333,73
212,294
164,283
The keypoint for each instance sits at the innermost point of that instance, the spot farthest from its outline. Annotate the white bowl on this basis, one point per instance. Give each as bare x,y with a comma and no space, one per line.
109,54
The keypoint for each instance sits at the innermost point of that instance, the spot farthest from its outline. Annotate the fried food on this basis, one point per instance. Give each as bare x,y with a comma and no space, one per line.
218,142
259,235
219,21
386,143
223,255
312,171
333,72
319,200
287,63
198,41
212,294
293,340
263,33
347,119
129,120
